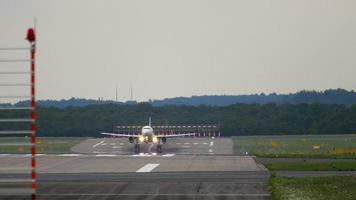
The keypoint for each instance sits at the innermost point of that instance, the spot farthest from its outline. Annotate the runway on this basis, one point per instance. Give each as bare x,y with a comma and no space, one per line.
185,145
106,168
169,185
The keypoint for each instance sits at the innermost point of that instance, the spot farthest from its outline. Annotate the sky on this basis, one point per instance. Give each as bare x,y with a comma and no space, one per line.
169,48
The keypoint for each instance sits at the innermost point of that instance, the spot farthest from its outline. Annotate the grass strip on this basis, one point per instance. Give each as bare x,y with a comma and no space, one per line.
313,188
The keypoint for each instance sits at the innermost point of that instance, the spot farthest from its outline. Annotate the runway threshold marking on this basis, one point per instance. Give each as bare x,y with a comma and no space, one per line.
99,143
148,167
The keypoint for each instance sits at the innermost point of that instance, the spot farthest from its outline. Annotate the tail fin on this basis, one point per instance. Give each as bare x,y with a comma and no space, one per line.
149,121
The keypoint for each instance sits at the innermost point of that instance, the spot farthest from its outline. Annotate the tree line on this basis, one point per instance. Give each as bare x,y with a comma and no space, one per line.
237,119
331,96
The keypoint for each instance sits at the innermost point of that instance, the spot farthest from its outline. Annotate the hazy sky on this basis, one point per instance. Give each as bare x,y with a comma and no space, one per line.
166,48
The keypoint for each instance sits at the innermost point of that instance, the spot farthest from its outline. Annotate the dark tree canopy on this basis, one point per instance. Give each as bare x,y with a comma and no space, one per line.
238,119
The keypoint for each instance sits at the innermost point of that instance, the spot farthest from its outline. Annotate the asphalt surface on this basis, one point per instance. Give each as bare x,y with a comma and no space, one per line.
106,168
168,185
185,145
106,163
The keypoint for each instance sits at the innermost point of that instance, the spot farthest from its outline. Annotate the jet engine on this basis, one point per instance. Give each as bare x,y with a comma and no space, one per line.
131,139
164,140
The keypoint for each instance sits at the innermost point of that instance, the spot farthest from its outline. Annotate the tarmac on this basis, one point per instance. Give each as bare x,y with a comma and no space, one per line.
106,168
185,145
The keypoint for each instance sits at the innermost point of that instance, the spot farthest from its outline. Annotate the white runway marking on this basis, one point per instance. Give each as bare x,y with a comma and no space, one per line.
205,143
98,152
142,154
210,151
99,143
112,143
196,143
147,168
117,147
184,146
15,155
69,154
211,143
187,143
168,155
104,144
121,143
105,155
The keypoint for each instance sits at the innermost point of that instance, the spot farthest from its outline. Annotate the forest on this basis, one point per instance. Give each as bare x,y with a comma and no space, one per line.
237,119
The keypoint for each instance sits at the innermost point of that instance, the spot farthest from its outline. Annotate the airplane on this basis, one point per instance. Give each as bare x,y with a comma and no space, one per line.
148,136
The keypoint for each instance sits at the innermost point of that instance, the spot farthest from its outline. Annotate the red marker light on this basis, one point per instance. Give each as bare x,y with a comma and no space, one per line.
31,36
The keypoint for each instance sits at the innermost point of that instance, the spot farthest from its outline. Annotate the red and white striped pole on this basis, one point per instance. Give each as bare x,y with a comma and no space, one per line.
31,37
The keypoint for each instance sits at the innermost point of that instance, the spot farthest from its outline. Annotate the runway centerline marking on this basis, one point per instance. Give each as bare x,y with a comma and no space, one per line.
69,154
105,155
211,143
99,143
168,155
148,167
142,154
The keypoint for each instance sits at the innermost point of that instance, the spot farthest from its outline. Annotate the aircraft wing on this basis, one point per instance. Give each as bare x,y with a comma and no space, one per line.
120,135
176,135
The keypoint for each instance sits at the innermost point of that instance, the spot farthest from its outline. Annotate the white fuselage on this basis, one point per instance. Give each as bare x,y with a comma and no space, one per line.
147,135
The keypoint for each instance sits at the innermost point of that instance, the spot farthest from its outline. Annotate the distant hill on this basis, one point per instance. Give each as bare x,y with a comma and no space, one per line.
331,96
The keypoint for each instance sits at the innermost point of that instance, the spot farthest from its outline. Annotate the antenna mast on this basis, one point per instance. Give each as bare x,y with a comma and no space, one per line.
116,93
131,94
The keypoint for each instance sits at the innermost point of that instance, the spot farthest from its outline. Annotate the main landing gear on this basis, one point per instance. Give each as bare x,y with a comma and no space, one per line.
159,148
137,148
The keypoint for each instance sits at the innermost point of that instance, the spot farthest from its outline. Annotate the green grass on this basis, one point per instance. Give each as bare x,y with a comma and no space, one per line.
313,166
313,188
43,145
294,146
